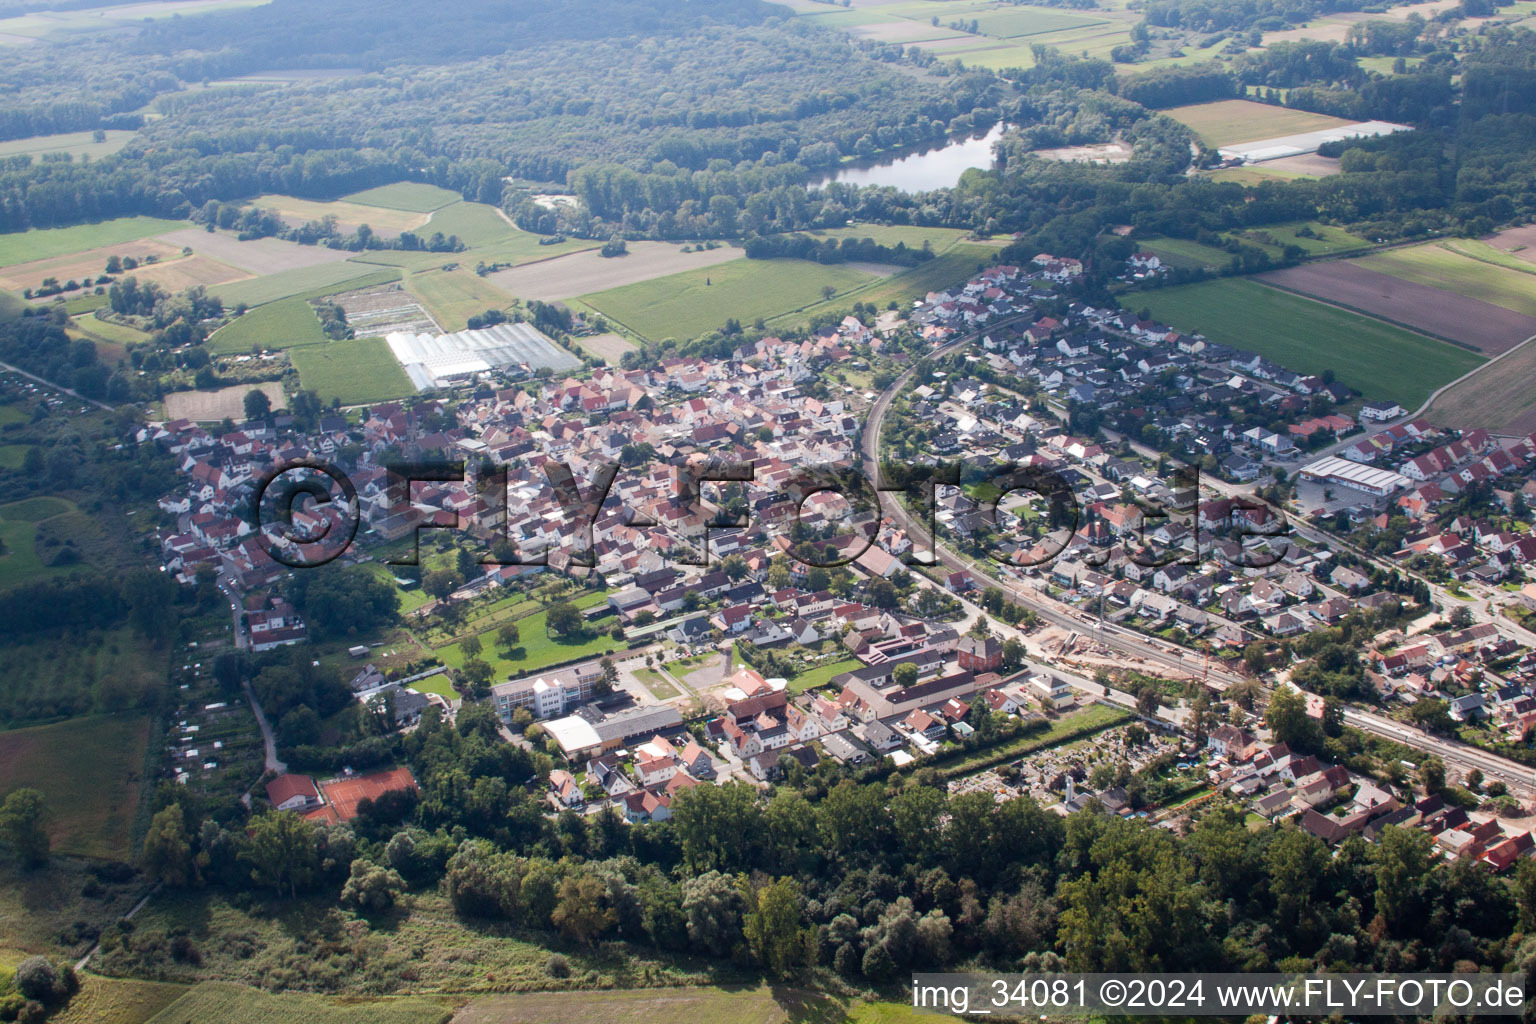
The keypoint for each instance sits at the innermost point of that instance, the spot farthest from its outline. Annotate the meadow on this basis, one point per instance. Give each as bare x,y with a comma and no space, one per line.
696,301
476,224
354,371
20,559
453,296
381,220
1375,358
47,243
117,1001
405,195
91,801
1227,122
236,1004
1186,253
76,144
287,323
536,647
1443,268
821,674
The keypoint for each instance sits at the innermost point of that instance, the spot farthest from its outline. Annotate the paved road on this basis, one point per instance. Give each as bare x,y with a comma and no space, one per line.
1456,755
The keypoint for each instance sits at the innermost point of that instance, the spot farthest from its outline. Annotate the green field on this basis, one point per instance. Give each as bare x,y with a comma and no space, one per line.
1331,241
951,266
12,455
355,371
822,674
91,800
1028,21
46,243
693,302
1375,358
1439,267
1228,122
105,330
535,648
20,559
117,1001
406,195
235,1004
1485,253
453,296
309,282
76,144
476,224
288,323
1187,253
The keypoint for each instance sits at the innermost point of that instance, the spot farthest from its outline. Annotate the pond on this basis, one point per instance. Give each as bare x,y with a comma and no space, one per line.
921,171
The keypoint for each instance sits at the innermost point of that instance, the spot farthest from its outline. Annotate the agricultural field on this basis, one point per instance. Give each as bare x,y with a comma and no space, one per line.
951,265
737,1005
1440,312
91,800
256,256
354,371
1227,122
453,296
1498,398
689,304
288,323
1376,358
580,273
309,282
117,1001
1518,242
84,267
236,1004
1440,267
47,243
405,195
476,224
76,144
222,404
385,223
910,235
1330,240
1187,253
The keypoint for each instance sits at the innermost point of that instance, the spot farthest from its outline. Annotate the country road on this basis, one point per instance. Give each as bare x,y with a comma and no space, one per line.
1456,755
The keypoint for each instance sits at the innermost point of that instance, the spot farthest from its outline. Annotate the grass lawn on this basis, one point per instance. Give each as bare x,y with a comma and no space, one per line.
117,1001
438,684
693,302
1331,239
1228,122
1187,253
453,296
20,559
1439,267
288,323
535,649
406,195
1375,358
91,799
306,282
357,370
821,674
237,1004
46,243
104,330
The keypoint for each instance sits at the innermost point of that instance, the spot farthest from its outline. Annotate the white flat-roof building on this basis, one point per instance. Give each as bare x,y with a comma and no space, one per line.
1307,142
433,361
1370,479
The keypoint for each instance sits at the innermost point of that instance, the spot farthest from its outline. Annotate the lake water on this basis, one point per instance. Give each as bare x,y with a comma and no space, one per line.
922,171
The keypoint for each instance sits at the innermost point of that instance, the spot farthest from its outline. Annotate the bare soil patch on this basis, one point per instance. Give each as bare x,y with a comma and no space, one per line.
1488,328
225,403
905,32
260,256
1307,163
80,266
385,310
1498,398
610,347
1519,242
1109,152
583,272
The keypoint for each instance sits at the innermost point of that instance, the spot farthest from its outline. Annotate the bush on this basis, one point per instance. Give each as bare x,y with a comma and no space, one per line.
37,978
557,966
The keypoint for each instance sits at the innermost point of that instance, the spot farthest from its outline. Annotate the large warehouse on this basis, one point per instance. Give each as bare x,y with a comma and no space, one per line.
1334,470
434,361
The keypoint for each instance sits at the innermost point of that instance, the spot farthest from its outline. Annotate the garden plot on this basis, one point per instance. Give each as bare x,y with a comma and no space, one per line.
388,309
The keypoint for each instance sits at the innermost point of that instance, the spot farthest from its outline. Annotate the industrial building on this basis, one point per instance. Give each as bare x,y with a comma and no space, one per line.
1334,470
434,361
